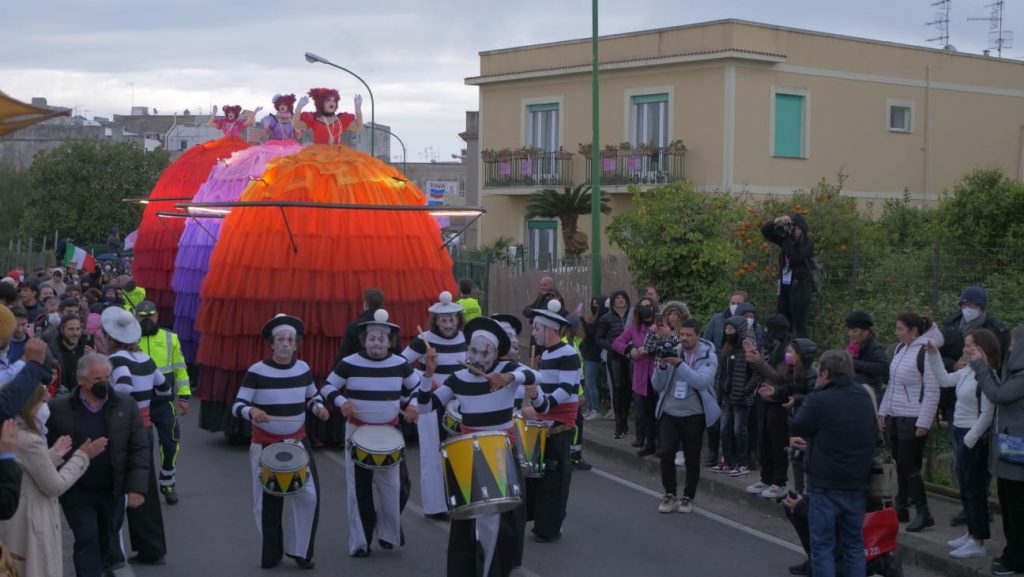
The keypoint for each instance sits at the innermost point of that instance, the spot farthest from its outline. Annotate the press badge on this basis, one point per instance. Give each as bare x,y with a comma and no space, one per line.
680,391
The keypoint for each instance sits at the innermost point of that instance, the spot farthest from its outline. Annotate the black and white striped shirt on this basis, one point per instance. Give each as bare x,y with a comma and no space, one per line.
379,389
283,392
451,353
481,408
136,374
559,384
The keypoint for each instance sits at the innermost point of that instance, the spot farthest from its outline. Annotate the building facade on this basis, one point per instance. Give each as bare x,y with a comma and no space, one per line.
743,107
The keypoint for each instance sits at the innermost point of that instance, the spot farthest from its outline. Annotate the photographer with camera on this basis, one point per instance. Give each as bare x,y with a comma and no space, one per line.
797,250
836,428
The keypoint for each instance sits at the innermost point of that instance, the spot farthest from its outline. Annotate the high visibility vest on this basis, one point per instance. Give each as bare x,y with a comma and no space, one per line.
165,350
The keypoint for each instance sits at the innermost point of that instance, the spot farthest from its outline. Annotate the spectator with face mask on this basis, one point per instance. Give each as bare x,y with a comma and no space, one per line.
715,331
631,345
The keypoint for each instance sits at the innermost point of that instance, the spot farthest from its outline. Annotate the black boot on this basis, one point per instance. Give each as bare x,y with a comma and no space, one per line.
637,443
921,521
648,449
924,519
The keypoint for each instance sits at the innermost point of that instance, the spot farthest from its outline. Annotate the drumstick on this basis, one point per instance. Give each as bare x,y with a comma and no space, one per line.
473,370
532,347
423,335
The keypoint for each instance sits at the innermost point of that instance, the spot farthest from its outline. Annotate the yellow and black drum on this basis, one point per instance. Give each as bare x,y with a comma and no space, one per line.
284,468
376,447
531,441
452,419
480,474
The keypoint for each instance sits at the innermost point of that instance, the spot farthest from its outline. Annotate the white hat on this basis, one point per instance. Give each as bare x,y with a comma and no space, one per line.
445,304
549,317
120,325
380,319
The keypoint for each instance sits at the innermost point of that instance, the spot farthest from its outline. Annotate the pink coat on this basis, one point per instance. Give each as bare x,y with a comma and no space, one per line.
643,367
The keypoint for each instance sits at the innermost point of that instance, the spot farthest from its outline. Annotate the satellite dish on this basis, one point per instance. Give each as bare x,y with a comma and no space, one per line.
949,48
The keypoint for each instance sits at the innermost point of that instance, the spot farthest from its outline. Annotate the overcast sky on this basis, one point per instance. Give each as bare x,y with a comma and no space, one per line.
414,54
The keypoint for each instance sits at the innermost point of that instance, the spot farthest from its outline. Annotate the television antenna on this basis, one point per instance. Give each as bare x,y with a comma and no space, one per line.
941,22
998,38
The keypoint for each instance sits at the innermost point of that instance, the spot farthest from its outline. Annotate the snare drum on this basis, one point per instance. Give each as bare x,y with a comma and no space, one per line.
284,468
376,446
452,419
531,441
480,475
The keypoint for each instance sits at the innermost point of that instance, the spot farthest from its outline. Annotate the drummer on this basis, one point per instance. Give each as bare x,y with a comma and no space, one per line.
486,397
445,336
370,388
274,395
554,399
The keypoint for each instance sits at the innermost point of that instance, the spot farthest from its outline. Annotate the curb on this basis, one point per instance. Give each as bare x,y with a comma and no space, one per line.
914,550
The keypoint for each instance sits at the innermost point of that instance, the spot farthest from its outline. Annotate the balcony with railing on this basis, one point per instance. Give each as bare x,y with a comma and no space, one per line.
526,167
642,165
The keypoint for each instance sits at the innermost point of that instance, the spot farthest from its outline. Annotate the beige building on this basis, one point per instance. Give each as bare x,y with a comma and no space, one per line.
761,109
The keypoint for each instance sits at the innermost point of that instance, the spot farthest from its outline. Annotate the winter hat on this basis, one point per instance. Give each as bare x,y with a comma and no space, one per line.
975,295
776,322
744,308
807,350
7,323
859,320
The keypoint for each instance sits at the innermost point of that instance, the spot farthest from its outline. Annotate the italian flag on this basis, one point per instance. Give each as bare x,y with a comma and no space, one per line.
80,259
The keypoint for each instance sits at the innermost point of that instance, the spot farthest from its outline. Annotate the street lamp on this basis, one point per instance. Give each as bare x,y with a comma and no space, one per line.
386,131
311,58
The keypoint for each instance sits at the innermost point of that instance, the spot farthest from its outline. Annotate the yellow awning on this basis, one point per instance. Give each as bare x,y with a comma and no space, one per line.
15,115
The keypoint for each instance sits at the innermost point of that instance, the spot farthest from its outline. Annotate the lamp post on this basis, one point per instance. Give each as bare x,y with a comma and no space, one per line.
311,58
386,131
595,168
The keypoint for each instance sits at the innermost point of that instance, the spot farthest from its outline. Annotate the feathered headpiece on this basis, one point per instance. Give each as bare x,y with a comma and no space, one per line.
285,99
320,95
236,109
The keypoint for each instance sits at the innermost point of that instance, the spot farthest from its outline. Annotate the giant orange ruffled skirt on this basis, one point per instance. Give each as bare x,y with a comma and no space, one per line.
255,274
157,242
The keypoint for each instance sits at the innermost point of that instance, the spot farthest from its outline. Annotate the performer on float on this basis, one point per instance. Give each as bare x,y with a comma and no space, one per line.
370,388
327,125
234,122
280,126
555,400
134,373
274,396
445,336
485,546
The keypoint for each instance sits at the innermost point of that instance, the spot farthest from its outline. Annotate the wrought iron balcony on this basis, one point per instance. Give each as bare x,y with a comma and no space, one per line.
527,170
639,166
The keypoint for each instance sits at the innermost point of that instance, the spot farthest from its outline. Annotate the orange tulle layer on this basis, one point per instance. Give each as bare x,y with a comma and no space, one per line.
157,242
255,273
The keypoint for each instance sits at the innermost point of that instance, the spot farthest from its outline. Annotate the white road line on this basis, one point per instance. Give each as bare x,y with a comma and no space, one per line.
704,513
521,571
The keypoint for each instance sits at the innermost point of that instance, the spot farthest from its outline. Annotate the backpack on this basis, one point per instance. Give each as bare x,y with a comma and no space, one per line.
920,367
818,274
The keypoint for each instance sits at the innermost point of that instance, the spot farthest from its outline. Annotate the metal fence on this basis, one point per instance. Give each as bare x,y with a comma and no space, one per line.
658,166
29,255
546,169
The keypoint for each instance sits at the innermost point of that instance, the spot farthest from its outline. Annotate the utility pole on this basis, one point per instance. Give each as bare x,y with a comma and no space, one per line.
595,164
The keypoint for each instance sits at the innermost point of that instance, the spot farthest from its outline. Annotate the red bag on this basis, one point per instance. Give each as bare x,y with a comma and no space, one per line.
881,532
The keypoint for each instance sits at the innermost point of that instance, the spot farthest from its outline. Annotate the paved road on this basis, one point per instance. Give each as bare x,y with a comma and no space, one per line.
612,530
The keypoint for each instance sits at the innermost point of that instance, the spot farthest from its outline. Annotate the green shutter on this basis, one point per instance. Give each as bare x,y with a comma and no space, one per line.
542,224
650,98
542,107
789,125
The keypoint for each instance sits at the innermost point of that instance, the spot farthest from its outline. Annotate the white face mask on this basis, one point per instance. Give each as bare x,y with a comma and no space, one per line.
970,313
732,309
42,415
54,318
750,323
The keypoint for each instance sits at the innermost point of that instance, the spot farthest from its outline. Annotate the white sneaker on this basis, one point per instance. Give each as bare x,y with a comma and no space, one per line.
757,488
774,492
590,415
959,541
968,550
669,504
685,505
609,416
680,459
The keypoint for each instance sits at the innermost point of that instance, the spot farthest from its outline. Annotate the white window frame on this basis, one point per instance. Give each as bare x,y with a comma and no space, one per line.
630,118
795,91
891,103
524,117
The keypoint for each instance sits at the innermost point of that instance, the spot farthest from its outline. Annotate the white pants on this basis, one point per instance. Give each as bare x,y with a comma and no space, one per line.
432,491
299,531
373,502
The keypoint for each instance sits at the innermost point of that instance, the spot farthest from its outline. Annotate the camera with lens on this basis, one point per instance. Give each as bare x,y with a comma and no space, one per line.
665,348
783,229
794,454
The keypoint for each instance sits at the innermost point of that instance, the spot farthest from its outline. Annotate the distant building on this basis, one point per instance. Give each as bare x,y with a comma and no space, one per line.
361,140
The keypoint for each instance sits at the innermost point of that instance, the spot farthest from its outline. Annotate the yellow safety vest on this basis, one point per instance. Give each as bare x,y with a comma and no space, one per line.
165,350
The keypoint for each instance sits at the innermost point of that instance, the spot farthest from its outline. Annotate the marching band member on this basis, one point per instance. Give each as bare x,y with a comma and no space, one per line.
370,388
555,400
445,336
274,395
486,393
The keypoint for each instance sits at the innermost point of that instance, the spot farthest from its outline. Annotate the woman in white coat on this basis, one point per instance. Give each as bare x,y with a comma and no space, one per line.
33,535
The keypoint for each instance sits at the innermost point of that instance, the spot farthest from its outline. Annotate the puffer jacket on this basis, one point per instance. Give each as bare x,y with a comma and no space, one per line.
611,325
912,393
699,377
1007,394
736,382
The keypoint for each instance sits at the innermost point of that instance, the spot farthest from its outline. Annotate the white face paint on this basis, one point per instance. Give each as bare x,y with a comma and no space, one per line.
377,341
283,345
539,332
482,353
448,324
513,351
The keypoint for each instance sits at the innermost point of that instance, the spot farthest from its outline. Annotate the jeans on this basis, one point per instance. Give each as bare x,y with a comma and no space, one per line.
690,431
837,514
591,369
973,476
734,433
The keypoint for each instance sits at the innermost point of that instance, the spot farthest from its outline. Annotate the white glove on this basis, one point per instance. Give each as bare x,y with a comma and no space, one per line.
257,111
358,102
213,112
302,102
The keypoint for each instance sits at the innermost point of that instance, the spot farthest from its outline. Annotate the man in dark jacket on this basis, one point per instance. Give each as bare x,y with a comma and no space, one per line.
609,327
836,427
94,503
373,299
797,249
715,329
870,363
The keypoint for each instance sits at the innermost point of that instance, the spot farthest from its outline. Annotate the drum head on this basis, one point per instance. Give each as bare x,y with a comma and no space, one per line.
454,408
378,438
284,457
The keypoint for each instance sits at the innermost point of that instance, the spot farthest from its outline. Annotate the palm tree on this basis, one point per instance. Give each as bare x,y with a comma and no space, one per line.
567,207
